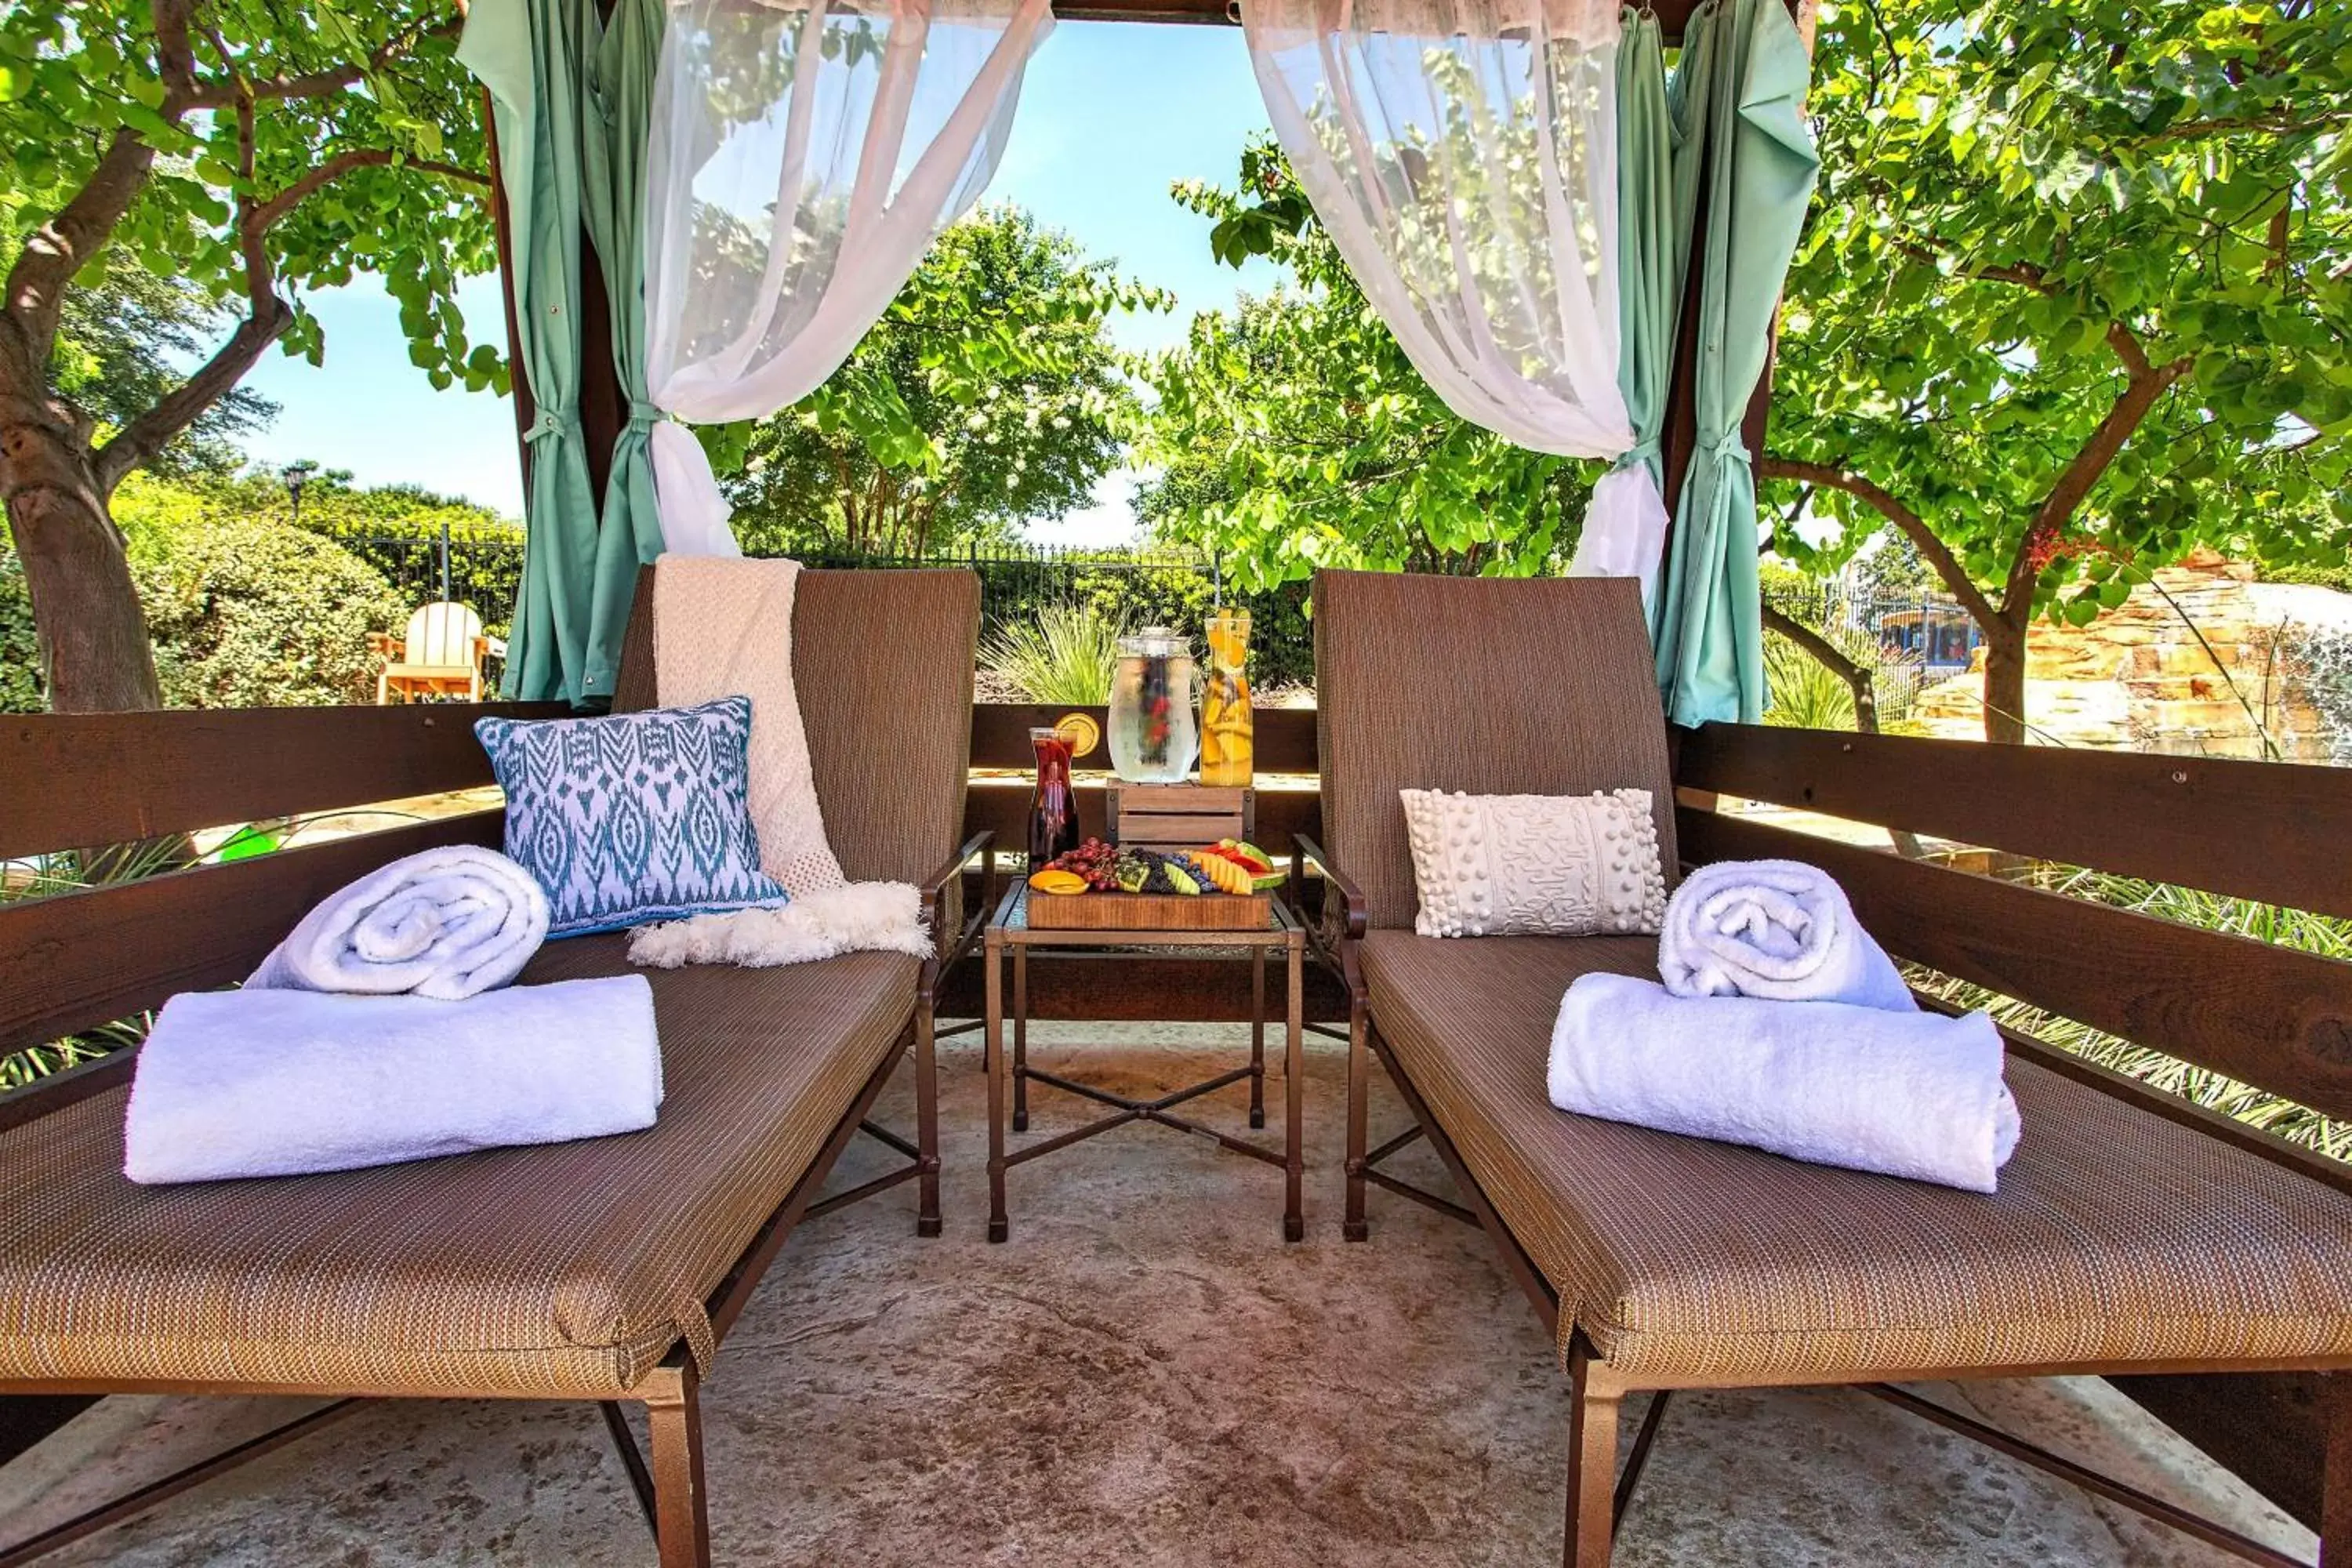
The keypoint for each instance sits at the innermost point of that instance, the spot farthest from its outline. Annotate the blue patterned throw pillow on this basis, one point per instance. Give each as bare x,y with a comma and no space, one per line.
635,817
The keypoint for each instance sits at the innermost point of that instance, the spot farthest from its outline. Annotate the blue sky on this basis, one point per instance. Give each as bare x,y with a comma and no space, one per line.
1111,114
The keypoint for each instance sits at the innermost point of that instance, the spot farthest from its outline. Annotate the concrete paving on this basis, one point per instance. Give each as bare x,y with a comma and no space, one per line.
1144,1374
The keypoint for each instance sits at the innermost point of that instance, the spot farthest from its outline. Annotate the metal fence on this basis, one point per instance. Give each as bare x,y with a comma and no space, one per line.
1913,638
1138,587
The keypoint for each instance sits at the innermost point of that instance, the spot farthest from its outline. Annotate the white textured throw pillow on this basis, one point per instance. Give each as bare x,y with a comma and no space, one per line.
1535,865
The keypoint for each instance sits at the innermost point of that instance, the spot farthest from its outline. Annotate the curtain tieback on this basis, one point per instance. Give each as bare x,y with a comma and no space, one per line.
1645,450
550,422
644,416
1728,447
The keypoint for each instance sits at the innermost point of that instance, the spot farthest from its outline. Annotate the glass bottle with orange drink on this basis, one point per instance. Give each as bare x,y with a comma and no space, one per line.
1228,750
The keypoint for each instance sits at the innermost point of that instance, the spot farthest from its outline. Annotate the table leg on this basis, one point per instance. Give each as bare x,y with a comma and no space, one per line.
1294,1088
1021,1039
993,958
1257,1036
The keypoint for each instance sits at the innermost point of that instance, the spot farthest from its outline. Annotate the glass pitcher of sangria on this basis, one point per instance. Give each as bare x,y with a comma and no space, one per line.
1053,807
1154,706
1228,743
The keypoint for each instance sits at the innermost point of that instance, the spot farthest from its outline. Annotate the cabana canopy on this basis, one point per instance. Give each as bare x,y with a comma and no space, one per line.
590,526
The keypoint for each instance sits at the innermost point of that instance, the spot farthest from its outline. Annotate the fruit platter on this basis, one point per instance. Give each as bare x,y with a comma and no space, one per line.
1225,886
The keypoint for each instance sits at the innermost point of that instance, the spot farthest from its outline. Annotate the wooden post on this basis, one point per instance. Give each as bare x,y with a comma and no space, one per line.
526,410
1680,439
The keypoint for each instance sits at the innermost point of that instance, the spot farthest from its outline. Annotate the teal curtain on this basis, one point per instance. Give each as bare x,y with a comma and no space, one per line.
1652,239
621,96
1744,71
532,54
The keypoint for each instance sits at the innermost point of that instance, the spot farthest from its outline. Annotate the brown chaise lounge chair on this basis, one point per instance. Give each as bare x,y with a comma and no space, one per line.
2120,1241
605,1270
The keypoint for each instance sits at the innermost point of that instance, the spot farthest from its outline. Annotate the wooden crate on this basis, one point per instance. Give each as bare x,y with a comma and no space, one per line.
1149,912
1178,817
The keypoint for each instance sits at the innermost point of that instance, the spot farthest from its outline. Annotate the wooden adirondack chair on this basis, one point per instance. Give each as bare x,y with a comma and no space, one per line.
440,654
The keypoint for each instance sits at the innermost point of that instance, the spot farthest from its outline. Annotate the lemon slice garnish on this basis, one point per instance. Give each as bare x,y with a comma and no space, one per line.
1081,732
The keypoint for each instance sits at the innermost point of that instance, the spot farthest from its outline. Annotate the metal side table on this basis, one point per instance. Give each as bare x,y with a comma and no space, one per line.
1008,927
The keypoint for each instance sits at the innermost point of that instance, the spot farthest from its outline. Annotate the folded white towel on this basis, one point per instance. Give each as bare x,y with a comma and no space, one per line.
1911,1094
1778,929
275,1083
444,923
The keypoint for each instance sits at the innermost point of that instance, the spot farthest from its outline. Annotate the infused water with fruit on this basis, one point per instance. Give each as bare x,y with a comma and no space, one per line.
1228,745
1154,729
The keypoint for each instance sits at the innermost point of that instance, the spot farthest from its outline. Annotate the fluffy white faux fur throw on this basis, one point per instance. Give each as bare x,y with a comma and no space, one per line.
863,917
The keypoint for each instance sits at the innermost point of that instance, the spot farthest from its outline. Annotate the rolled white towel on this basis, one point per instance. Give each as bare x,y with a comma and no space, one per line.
444,923
1911,1094
1778,929
278,1083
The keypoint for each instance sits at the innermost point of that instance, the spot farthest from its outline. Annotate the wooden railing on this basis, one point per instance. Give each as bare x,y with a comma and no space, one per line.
2278,1019
2275,833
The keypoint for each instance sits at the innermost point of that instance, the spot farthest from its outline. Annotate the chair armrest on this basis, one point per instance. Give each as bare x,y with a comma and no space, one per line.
934,892
1354,914
1342,925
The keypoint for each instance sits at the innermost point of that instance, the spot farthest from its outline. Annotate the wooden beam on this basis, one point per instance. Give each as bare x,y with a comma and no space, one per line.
1672,15
68,780
83,959
526,410
2270,1016
2241,828
1284,737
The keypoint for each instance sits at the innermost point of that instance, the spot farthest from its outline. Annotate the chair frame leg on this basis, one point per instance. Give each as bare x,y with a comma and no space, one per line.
681,1502
926,1122
2336,1502
1353,1226
1594,1406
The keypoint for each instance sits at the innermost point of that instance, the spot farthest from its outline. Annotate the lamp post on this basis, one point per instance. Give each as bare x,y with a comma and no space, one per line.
297,474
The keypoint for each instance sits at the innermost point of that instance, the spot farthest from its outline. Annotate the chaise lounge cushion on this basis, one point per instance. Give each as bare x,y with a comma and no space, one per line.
569,1269
2116,1235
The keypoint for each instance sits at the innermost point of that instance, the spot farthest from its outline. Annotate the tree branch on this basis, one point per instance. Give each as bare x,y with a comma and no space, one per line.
2144,385
2025,274
144,437
175,55
267,214
63,245
1932,550
140,439
318,84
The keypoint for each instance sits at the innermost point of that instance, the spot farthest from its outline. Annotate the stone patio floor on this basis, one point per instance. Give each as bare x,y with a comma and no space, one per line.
1144,1374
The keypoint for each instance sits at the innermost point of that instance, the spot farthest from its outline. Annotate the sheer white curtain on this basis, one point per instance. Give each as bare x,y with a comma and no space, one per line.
1463,156
803,155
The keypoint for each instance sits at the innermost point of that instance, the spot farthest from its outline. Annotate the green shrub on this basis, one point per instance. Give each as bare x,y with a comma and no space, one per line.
1066,654
251,613
1804,692
20,650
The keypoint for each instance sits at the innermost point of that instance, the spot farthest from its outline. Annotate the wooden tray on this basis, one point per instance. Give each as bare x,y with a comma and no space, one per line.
1149,912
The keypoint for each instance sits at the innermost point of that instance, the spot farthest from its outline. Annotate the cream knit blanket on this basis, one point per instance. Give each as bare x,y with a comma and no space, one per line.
724,628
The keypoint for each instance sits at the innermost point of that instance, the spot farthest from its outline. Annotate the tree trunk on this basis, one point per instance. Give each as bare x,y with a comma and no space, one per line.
2004,683
94,657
